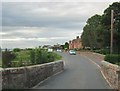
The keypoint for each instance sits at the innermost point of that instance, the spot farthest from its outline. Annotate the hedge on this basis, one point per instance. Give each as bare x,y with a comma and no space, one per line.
39,56
113,58
7,58
28,57
102,51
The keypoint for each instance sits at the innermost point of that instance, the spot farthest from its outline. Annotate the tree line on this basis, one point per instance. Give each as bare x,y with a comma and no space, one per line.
96,33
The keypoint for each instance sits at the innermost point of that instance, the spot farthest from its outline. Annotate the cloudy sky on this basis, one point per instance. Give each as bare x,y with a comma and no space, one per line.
30,24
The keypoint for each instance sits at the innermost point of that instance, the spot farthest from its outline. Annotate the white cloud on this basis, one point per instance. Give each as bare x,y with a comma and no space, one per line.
60,0
2,33
27,24
24,39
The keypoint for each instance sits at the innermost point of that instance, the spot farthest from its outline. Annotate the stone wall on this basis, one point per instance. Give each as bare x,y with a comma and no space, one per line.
0,79
29,76
112,73
119,80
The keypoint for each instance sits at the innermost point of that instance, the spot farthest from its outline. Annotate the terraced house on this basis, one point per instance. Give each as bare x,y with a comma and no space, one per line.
75,43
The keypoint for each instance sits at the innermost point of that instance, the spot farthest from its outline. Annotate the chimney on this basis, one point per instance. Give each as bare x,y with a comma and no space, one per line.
77,37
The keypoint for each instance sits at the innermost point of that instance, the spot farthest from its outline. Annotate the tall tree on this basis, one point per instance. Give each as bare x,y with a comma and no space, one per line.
92,32
106,21
96,32
66,46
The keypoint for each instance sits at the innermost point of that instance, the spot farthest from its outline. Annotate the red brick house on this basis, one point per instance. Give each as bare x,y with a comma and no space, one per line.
75,43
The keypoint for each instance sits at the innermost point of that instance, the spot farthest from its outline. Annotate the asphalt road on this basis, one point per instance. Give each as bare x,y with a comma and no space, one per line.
79,73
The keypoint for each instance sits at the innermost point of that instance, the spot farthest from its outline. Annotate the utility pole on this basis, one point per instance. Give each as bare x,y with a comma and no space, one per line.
112,22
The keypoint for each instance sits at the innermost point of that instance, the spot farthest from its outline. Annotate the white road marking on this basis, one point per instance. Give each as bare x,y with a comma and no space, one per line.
92,61
99,69
105,78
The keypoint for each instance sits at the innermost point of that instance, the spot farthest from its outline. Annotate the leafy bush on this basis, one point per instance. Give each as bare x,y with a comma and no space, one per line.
32,56
28,57
39,56
16,49
20,63
44,56
16,63
103,51
113,58
22,59
50,57
7,58
56,56
22,56
29,49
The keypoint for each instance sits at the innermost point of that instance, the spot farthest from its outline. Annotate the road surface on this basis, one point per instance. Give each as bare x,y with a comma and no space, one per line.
79,73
